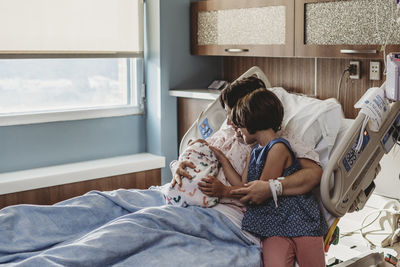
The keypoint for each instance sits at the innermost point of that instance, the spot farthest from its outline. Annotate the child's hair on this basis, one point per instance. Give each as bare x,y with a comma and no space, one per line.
258,110
235,91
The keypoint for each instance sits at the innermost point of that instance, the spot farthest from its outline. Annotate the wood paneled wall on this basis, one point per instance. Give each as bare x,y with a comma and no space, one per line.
54,194
188,111
299,75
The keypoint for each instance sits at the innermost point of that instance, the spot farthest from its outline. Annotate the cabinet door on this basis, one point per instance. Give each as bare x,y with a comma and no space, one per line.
345,28
242,27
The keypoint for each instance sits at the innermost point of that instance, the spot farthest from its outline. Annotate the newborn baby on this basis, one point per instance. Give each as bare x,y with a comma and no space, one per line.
206,163
234,149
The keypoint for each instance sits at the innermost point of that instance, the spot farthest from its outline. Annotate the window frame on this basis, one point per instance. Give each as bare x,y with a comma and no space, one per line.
137,86
93,48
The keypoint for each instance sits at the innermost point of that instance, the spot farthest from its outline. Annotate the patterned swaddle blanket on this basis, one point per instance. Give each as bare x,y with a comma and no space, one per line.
189,194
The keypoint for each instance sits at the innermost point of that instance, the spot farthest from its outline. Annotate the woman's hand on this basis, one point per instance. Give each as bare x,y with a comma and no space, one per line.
181,172
212,187
254,192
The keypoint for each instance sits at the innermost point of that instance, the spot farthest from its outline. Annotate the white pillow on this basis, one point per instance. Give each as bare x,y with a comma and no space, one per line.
309,118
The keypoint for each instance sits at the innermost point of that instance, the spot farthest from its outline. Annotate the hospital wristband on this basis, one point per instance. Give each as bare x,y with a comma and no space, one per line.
276,189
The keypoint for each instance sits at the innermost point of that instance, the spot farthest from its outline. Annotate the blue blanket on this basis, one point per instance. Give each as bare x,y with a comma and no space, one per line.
121,228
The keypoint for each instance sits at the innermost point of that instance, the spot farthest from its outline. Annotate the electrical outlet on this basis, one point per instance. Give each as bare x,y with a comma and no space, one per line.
355,74
374,70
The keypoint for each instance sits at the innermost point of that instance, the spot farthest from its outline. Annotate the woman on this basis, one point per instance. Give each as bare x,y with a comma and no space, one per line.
256,192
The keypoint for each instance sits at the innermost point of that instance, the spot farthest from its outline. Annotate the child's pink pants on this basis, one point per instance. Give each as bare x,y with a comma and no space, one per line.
284,251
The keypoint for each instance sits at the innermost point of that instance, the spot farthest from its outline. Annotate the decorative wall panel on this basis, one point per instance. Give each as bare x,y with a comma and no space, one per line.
258,26
355,22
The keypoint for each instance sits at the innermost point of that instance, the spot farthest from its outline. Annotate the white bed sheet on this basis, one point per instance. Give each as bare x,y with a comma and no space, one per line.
322,146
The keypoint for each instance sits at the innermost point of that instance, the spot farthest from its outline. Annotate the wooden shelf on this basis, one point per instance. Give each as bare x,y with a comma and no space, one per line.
205,94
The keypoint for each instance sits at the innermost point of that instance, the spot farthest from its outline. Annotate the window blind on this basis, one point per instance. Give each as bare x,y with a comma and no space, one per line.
71,27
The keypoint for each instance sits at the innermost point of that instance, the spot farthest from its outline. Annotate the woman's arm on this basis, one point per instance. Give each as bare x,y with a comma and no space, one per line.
297,183
304,180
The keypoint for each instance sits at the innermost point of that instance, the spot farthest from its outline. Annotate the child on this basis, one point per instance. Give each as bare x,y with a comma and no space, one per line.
291,227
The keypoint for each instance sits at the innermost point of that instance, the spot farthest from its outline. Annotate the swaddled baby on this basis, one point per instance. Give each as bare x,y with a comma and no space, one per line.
234,149
206,164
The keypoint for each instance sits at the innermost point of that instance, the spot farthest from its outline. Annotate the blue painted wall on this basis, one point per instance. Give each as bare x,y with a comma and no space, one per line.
39,145
169,65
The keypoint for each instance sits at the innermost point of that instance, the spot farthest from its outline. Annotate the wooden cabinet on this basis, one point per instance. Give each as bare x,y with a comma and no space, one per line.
242,27
345,29
300,28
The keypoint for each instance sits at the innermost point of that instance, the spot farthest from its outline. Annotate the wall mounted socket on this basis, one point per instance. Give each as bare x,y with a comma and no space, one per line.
374,70
355,70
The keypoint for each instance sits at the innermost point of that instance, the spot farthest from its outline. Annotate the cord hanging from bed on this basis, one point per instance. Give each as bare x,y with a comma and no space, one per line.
349,69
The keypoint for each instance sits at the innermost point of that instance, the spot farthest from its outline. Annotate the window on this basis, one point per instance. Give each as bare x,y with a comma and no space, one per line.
84,87
55,68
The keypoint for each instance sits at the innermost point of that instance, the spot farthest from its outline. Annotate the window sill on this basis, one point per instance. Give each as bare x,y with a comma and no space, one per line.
68,115
11,182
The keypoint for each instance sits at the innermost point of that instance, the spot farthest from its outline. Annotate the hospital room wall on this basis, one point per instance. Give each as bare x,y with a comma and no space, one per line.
46,144
169,65
316,77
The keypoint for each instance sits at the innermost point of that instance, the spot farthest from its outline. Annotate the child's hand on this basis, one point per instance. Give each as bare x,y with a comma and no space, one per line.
219,154
180,171
212,187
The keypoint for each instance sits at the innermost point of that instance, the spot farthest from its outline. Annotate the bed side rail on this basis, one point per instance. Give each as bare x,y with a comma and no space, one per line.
353,172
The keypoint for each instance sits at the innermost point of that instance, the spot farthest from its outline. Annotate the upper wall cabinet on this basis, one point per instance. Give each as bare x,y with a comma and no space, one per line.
242,27
346,28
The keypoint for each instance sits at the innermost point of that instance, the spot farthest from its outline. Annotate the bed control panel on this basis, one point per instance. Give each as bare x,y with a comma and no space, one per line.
352,155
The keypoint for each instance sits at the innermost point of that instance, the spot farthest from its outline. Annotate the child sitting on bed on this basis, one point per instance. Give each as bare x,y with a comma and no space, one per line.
292,227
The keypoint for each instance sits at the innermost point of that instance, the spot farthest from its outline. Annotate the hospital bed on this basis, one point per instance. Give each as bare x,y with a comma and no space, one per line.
136,228
349,173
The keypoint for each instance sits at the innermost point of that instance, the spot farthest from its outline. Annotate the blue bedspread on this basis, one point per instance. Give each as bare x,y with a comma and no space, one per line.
121,228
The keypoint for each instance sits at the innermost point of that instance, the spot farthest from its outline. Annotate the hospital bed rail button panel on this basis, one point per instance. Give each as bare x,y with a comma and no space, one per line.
352,155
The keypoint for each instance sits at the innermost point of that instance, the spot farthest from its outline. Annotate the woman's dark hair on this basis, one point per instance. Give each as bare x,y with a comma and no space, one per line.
235,91
258,110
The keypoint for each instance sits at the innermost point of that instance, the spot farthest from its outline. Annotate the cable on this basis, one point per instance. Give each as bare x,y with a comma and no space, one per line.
392,207
393,21
364,226
363,235
349,68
